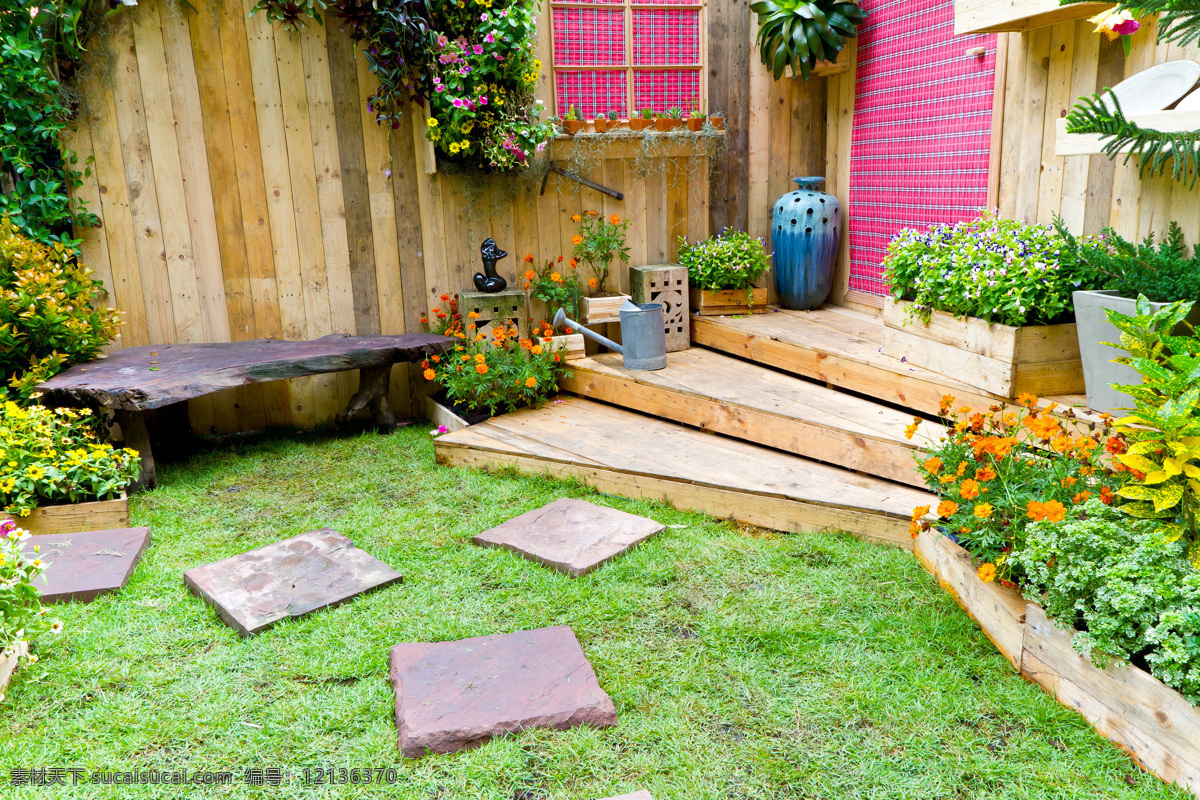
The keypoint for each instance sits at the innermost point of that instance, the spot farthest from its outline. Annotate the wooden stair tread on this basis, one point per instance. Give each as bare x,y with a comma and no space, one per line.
634,455
843,348
709,390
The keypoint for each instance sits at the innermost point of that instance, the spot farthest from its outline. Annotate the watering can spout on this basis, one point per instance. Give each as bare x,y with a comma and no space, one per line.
560,320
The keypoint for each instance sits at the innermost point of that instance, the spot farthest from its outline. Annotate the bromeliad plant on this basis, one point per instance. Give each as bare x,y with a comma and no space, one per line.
1163,428
996,269
999,470
555,285
730,260
52,456
497,370
801,34
22,617
598,243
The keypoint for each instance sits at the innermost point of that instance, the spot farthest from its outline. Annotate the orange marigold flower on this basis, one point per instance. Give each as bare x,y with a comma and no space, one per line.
464,357
946,509
614,219
481,369
573,262
983,510
949,477
445,298
962,467
472,315
1081,497
530,274
592,283
536,349
1107,496
531,382
933,465
987,573
576,239
919,512
429,374
554,276
480,357
985,474
1055,511
576,218
969,489
529,258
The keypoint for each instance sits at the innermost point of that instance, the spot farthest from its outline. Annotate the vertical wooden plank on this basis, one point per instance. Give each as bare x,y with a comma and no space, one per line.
343,72
1030,169
1126,202
738,115
93,246
118,222
840,105
139,177
1058,101
272,137
997,137
1014,123
779,121
698,199
656,218
1073,206
677,209
636,202
719,19
409,226
807,148
760,157
1101,170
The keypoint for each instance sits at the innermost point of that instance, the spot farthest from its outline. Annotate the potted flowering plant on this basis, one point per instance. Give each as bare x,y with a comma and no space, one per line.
722,271
598,243
59,474
22,617
483,77
988,300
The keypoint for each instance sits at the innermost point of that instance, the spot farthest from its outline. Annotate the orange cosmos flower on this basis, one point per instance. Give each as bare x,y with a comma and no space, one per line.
1106,496
529,258
912,429
530,274
576,218
1081,497
531,382
914,529
591,283
983,510
576,239
1055,511
933,465
962,467
947,401
614,219
985,474
573,263
555,277
969,489
593,213
445,298
1028,400
919,512
1045,428
987,573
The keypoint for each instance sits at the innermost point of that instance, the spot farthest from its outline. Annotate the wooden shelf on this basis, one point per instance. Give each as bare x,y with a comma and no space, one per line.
1090,144
627,144
999,16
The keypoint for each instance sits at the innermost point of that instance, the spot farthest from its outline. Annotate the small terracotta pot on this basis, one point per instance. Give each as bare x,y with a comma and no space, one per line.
717,122
695,124
667,124
600,124
639,124
574,126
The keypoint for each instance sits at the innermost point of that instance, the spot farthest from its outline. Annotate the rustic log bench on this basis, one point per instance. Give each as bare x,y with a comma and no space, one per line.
138,379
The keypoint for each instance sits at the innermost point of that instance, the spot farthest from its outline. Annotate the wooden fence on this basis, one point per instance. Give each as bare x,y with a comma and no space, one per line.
246,190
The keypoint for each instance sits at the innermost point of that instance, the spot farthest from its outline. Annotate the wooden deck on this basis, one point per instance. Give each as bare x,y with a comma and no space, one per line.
843,348
620,452
715,392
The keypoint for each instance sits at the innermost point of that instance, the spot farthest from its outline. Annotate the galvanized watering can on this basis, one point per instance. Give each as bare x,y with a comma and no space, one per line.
642,331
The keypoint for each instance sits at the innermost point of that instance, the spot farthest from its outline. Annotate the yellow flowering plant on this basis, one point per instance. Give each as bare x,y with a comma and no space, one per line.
497,369
51,456
22,617
997,471
50,317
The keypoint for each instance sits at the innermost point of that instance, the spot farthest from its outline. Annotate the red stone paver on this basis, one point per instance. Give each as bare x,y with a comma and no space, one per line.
83,566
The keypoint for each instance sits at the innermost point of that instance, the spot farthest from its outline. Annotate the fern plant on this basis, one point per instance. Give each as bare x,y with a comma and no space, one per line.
1102,114
1162,273
802,34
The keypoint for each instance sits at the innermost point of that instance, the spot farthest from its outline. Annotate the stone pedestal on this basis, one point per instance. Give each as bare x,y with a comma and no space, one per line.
666,284
494,307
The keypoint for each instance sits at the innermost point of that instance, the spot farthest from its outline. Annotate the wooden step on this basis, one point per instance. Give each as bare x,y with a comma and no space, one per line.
843,348
715,392
632,455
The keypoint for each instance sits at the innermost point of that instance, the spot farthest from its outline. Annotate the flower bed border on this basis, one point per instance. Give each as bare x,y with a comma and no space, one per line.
1006,361
1126,705
98,515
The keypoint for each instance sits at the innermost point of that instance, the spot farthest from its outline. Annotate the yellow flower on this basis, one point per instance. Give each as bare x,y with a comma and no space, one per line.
431,122
987,573
983,510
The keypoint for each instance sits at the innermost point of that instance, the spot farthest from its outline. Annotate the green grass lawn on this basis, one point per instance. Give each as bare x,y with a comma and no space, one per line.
743,663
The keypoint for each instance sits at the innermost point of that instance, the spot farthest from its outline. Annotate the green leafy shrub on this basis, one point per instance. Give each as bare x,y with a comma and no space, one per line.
730,260
555,285
1163,273
999,270
598,243
1128,586
802,33
22,617
47,318
497,370
54,456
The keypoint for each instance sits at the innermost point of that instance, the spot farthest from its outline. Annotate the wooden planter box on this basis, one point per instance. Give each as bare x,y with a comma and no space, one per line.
9,664
722,302
1006,361
100,515
597,310
573,342
996,16
441,415
1131,708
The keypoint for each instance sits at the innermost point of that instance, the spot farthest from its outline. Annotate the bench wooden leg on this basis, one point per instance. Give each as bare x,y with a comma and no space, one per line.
372,394
137,437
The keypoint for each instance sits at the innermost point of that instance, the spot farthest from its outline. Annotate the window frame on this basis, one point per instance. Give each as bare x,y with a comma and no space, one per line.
629,68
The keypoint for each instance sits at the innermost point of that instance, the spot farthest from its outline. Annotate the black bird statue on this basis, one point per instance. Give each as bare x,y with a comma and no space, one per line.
488,281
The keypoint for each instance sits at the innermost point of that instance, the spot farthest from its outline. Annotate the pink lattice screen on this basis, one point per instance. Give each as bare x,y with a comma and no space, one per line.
922,128
612,55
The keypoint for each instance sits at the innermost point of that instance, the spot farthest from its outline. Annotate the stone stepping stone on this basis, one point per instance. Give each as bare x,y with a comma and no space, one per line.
571,536
83,566
640,794
305,573
454,695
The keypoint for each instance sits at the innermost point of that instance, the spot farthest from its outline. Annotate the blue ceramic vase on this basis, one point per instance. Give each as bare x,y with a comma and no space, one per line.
805,232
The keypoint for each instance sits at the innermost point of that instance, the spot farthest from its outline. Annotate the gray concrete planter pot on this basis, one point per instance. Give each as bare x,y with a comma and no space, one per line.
1099,371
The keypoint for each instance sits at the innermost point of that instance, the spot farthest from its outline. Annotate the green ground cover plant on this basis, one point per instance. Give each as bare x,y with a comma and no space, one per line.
743,663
